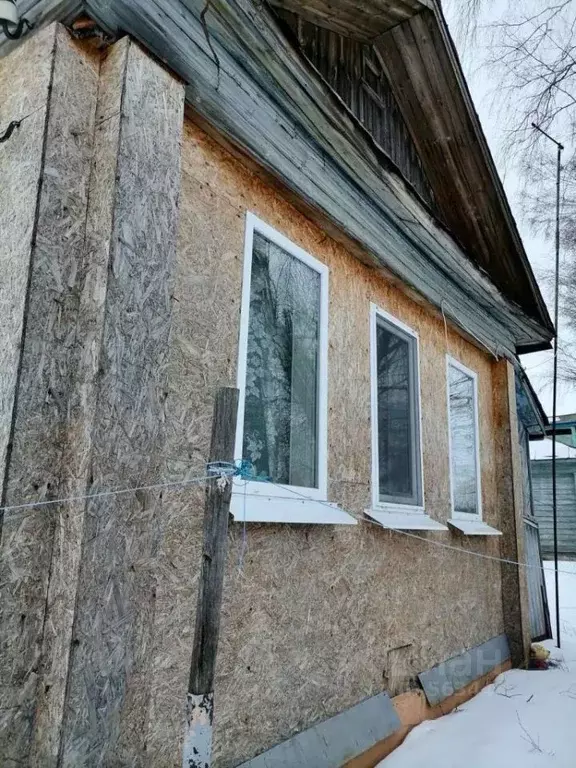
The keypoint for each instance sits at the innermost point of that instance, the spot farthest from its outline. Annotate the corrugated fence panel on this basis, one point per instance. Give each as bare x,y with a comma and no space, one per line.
566,505
539,617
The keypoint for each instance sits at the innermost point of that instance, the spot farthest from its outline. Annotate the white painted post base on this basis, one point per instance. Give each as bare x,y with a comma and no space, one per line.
197,752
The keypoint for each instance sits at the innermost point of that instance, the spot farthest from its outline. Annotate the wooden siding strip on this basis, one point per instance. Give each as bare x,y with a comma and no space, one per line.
566,504
263,97
347,17
365,90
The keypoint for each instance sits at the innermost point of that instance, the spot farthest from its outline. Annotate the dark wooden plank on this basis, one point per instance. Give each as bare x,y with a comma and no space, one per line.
433,96
217,509
363,21
197,749
367,94
541,472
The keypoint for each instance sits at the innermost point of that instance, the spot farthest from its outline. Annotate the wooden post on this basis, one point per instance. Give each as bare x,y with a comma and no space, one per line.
197,752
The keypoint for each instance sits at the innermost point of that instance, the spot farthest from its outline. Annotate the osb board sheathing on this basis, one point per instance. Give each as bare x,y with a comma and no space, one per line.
24,81
316,618
45,168
134,209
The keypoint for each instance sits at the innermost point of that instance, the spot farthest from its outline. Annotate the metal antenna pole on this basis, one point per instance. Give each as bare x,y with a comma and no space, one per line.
559,148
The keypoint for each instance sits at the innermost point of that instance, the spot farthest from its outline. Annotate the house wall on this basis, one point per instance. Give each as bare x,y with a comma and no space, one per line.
315,618
118,341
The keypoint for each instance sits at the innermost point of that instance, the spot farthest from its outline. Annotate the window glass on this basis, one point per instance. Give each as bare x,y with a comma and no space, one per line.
464,464
281,401
398,428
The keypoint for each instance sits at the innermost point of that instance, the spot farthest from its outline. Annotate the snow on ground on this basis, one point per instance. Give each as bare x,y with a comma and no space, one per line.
526,719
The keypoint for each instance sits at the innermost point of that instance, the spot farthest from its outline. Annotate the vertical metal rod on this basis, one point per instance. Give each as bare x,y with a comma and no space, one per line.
559,148
555,393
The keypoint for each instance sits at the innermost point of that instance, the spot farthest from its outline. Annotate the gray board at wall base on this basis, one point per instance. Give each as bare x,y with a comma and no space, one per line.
334,741
450,676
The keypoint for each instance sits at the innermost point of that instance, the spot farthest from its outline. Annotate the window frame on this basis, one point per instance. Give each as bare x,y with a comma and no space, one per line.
394,507
455,514
258,501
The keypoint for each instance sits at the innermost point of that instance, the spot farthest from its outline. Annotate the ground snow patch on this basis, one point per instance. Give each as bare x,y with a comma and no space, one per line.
526,719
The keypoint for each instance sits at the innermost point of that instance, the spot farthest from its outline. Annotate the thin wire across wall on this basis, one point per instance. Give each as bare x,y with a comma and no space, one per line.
432,542
224,470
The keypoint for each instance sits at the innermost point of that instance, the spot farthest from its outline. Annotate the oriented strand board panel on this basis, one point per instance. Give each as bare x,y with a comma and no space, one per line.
337,740
450,676
515,601
314,618
24,80
132,236
45,167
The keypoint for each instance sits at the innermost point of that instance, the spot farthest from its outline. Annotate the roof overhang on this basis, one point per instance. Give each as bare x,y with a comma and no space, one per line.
248,84
426,77
364,21
530,410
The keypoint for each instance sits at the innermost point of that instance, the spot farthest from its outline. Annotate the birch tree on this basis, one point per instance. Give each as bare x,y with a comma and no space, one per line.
528,50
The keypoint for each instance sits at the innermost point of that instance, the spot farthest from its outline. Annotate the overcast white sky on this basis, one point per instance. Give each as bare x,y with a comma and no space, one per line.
540,252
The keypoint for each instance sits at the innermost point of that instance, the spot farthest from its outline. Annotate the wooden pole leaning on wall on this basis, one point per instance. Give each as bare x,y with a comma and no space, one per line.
197,752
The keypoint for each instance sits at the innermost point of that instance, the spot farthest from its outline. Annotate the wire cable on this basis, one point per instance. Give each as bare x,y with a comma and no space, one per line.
432,542
102,494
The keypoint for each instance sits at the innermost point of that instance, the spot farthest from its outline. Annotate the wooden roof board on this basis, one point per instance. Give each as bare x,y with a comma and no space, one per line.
325,162
361,20
454,154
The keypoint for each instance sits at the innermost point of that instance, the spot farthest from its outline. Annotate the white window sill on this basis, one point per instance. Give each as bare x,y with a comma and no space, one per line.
405,521
474,527
252,508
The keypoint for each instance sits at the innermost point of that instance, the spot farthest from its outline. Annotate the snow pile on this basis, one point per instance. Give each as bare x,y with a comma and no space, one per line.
525,719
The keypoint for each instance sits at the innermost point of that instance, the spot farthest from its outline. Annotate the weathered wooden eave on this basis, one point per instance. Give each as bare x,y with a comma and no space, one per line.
429,85
364,21
424,72
246,80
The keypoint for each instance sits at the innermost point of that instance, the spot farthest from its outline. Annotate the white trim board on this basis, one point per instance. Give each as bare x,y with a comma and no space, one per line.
405,521
279,509
473,527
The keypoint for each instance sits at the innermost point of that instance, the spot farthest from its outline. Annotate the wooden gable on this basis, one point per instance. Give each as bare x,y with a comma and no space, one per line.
354,69
421,114
363,21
